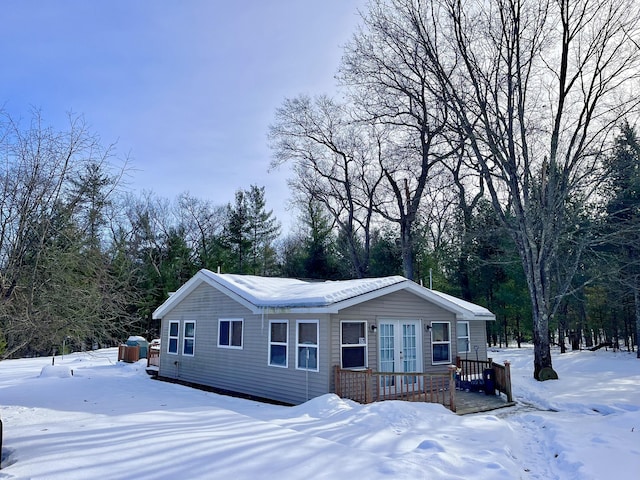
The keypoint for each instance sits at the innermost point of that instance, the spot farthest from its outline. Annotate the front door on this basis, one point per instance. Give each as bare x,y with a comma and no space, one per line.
399,350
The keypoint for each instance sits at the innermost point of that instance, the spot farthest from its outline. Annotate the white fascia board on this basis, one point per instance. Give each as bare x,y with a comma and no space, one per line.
350,302
474,317
231,294
285,310
460,312
175,298
190,286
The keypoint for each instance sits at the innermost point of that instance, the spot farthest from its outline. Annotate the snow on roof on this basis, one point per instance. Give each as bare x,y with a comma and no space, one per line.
270,292
472,307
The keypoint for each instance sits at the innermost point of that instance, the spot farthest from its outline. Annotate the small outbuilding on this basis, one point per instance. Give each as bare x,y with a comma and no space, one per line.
283,339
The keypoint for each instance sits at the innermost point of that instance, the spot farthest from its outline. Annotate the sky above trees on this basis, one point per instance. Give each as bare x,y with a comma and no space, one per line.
187,90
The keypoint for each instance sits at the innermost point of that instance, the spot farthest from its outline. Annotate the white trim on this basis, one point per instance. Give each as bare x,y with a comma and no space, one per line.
308,346
285,344
467,336
177,338
230,337
442,342
397,337
355,345
185,338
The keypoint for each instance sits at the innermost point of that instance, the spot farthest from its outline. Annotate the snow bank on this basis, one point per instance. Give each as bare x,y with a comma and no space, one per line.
114,422
56,371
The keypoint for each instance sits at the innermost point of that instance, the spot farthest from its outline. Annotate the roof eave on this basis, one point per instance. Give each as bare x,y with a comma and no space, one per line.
357,299
471,316
460,312
191,285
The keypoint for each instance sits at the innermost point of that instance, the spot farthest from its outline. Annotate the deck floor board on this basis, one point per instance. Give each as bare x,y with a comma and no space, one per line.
476,402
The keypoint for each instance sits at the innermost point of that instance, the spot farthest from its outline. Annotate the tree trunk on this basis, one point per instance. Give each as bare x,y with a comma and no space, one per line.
538,281
407,248
542,347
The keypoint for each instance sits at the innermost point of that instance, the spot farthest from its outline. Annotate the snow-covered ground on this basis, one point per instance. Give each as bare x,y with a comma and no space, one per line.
110,420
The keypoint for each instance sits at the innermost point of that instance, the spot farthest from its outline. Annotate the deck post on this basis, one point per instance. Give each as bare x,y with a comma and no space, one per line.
452,388
367,387
507,377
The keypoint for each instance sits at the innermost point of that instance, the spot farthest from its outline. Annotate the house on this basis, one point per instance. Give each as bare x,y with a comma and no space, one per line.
280,338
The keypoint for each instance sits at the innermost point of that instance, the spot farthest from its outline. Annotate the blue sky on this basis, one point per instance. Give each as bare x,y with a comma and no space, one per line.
186,88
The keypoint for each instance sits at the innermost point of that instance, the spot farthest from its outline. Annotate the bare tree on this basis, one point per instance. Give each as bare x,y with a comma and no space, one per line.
203,223
54,186
334,162
390,86
535,87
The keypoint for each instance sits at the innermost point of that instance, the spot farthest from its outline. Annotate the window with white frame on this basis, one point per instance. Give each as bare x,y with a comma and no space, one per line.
230,332
278,343
307,345
174,332
353,344
440,342
189,338
464,340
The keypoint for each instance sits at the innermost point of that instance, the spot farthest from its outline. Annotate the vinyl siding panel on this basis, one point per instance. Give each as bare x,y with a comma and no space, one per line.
247,371
243,370
478,335
403,305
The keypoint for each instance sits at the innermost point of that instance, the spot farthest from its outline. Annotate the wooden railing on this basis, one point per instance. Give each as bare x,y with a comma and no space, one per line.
470,371
366,386
153,357
503,378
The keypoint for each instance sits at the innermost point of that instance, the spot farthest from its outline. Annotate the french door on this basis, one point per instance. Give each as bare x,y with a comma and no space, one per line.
399,350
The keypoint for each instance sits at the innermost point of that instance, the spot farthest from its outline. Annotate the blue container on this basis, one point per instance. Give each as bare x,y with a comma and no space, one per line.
140,342
489,382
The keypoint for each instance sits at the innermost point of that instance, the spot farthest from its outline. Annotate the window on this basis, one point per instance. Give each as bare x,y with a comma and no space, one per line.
353,340
440,342
464,342
189,339
307,345
174,331
230,333
278,343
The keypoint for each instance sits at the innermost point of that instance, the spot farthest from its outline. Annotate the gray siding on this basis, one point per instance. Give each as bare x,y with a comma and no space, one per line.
247,371
478,334
243,370
403,305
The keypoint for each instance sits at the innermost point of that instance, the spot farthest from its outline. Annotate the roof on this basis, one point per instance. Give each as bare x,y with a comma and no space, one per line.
271,294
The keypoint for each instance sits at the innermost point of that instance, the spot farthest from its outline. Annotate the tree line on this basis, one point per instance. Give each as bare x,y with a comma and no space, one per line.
487,148
85,262
512,103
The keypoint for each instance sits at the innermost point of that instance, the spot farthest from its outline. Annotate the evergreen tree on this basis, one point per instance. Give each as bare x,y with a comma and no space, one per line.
250,233
623,219
386,254
237,234
263,230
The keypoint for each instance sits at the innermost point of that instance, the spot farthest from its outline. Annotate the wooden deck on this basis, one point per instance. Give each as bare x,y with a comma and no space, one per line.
461,389
477,402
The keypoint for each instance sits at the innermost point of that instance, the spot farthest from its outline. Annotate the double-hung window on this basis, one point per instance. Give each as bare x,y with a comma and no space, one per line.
441,342
307,345
230,332
174,332
278,343
189,338
464,340
353,344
